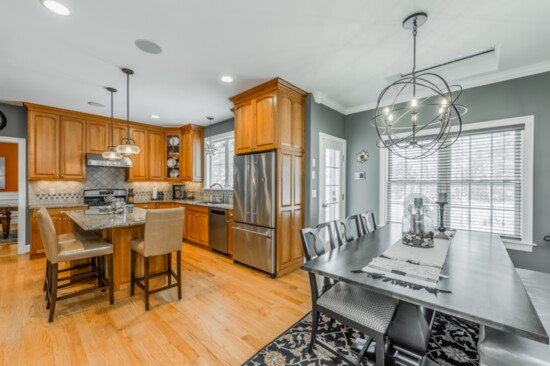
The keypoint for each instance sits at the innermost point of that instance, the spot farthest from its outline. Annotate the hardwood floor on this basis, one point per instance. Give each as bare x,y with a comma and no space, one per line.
228,312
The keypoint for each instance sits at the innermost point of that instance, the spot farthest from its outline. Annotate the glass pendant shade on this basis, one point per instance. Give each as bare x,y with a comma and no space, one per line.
111,154
128,162
127,147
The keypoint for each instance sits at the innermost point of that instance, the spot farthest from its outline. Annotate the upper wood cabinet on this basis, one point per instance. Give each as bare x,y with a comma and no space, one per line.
192,169
268,117
98,136
138,172
149,163
57,147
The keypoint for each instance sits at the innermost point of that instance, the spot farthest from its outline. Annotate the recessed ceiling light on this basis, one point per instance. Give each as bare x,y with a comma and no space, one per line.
154,116
148,46
55,7
96,104
227,79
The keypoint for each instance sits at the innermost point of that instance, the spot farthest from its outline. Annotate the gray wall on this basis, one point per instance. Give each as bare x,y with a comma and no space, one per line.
17,121
221,127
319,118
16,127
519,97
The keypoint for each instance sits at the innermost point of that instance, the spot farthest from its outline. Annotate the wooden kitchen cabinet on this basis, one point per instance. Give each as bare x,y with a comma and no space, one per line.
72,148
268,117
62,224
138,172
230,241
57,146
196,224
155,155
192,169
98,136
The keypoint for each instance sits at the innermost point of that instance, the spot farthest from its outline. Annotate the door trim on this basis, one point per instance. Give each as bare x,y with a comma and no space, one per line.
324,136
22,245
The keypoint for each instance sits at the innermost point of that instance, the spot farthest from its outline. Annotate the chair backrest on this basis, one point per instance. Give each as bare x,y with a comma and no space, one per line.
349,229
48,234
368,222
163,231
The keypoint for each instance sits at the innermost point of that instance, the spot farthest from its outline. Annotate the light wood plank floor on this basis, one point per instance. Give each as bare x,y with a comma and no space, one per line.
228,312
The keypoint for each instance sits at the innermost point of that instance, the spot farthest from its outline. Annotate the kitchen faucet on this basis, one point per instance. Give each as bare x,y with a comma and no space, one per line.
221,191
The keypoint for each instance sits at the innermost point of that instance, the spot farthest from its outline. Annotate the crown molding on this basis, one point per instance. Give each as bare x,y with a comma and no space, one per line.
468,83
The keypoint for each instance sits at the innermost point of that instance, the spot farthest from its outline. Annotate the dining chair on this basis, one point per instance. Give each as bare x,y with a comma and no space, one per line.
349,229
162,237
358,308
368,221
58,250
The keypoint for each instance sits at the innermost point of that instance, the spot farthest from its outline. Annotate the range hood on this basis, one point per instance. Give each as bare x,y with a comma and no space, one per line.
98,160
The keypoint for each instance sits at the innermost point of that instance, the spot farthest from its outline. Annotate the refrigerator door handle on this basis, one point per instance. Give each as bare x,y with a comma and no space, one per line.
246,184
266,234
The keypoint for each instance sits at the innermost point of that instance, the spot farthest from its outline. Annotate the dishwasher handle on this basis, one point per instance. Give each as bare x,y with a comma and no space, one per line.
218,212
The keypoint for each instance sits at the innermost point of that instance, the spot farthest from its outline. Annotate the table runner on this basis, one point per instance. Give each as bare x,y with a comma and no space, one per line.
418,266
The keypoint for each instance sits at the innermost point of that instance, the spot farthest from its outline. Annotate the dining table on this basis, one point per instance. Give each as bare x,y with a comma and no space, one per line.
478,280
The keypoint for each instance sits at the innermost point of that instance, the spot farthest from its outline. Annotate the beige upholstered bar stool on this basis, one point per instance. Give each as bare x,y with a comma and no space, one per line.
163,234
73,250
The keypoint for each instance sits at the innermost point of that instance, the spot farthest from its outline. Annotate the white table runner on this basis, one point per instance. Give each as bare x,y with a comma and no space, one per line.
419,266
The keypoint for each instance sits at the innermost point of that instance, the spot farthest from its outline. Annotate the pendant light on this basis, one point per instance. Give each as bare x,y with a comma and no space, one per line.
209,149
402,126
127,145
111,153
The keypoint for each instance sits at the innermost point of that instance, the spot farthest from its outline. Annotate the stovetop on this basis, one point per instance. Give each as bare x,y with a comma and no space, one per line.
96,197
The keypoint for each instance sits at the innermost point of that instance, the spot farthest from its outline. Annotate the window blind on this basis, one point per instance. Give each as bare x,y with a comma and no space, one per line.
482,173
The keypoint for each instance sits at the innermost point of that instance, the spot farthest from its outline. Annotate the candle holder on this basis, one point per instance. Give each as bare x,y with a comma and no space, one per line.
441,228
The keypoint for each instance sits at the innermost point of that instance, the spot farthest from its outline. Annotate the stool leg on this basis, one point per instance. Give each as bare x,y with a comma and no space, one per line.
53,289
169,268
146,283
178,266
132,272
380,350
46,277
49,287
99,271
111,282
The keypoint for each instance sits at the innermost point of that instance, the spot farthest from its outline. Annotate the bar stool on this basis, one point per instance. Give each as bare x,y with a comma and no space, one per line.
163,233
72,250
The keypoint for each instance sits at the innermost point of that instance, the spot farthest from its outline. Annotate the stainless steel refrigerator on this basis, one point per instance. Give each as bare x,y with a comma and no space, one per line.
254,211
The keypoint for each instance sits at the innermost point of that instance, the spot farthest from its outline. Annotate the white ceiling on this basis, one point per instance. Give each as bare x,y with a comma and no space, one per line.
341,50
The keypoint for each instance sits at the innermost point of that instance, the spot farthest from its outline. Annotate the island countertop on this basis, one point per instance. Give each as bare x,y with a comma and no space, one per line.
88,222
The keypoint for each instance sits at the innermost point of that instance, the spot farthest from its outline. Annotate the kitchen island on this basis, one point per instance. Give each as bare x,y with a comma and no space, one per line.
119,230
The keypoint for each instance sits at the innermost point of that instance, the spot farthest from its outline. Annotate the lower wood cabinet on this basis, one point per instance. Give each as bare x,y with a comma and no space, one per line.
62,223
195,224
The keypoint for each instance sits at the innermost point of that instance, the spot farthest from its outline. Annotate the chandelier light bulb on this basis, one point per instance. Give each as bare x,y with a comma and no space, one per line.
414,103
414,117
387,111
441,110
390,117
444,102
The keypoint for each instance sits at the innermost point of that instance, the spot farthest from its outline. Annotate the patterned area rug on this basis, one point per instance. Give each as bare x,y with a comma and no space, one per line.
452,343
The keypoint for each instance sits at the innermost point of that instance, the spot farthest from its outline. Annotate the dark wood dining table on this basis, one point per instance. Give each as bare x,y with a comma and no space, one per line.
484,286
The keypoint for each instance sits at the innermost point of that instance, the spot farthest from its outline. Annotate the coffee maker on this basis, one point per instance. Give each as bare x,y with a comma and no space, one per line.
178,192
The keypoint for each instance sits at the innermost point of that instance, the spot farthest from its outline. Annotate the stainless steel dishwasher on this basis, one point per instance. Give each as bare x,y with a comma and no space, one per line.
217,229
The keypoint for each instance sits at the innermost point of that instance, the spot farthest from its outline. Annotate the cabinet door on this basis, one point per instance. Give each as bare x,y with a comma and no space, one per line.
265,122
43,146
190,226
119,132
197,142
72,148
98,136
298,125
244,127
202,228
139,170
187,159
155,155
285,121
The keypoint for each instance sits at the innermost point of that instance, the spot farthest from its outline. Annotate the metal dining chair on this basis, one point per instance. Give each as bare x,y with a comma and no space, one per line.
349,229
368,221
358,308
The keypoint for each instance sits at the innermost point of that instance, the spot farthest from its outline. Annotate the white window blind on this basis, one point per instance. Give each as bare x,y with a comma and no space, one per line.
482,174
219,166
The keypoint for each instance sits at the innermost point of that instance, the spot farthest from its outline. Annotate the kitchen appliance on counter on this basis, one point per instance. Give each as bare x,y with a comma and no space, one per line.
254,211
178,192
217,229
99,201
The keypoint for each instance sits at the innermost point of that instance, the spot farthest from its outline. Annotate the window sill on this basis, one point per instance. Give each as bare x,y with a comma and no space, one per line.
518,245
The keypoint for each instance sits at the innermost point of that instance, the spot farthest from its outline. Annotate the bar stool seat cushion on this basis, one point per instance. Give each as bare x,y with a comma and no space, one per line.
506,349
83,249
137,245
364,307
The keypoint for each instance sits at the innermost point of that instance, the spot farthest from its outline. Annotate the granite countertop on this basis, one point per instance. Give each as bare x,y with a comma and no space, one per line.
35,205
88,222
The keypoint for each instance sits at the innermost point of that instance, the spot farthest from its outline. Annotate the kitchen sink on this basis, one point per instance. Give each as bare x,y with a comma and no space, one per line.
211,202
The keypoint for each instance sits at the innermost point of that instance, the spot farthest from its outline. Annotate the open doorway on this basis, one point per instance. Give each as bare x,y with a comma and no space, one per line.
332,178
13,194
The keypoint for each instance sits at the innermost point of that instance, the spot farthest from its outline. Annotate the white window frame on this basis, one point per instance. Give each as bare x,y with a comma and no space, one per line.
222,136
325,136
526,243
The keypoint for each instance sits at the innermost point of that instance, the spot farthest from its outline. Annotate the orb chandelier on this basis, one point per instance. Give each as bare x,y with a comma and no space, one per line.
127,145
210,149
110,153
429,121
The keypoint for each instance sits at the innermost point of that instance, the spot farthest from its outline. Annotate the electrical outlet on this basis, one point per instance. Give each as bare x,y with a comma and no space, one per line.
51,191
313,193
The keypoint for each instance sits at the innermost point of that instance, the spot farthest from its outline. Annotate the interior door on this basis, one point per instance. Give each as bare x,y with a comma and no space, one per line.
332,178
